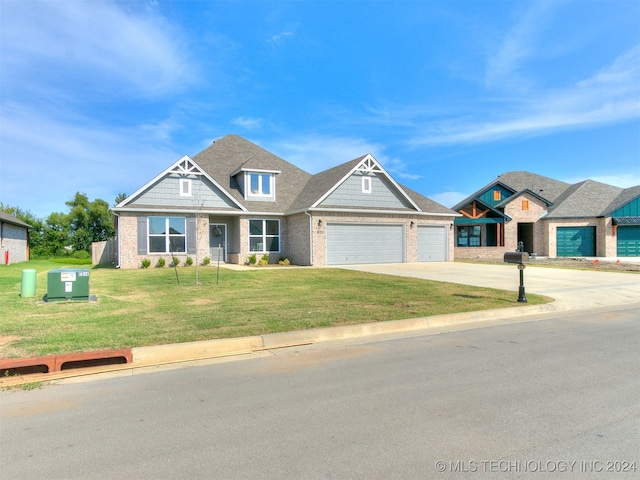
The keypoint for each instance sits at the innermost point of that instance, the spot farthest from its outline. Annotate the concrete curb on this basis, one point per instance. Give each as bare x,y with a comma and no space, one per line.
158,355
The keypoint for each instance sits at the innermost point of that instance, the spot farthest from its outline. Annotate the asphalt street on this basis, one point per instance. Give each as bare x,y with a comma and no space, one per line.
554,398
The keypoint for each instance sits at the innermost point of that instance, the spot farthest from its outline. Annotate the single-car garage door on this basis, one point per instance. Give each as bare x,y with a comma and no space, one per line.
349,243
432,243
628,240
576,241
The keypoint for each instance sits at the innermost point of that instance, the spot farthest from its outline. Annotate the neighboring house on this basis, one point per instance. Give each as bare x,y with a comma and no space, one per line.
235,199
14,239
551,218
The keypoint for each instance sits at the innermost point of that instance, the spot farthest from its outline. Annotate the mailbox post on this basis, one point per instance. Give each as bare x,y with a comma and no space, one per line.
520,258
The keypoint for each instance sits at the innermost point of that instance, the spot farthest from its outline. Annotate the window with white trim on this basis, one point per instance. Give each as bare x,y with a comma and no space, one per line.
185,187
366,184
260,184
167,235
264,236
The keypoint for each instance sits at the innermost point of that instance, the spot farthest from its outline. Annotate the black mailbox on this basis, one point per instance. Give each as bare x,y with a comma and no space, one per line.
516,257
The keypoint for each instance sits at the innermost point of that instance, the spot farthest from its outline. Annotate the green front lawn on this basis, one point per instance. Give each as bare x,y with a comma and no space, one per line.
148,307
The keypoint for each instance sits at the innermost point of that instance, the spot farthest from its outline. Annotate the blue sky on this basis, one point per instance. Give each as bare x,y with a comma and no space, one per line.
101,96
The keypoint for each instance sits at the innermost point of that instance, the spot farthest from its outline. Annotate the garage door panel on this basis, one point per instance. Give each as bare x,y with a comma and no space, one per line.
432,243
357,243
576,241
628,241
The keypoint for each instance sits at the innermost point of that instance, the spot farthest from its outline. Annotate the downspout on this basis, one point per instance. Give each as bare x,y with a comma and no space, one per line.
310,237
118,240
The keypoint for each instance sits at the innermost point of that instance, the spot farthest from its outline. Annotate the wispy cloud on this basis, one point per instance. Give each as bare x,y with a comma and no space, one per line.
622,180
279,38
609,96
97,46
516,46
79,153
248,123
315,153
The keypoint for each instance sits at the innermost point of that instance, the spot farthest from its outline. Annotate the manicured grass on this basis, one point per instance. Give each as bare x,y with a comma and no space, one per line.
148,307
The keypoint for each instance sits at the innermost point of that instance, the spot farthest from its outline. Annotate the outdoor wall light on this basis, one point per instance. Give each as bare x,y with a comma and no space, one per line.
412,224
320,222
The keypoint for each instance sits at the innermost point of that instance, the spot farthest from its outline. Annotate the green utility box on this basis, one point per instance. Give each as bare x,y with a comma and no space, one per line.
68,284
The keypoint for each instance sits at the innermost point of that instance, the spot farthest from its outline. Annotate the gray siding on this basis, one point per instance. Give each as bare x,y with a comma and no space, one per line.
166,192
349,194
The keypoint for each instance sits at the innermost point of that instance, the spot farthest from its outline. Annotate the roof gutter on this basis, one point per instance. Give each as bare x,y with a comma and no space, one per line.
383,212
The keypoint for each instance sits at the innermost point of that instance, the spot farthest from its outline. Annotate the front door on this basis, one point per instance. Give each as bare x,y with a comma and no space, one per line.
218,242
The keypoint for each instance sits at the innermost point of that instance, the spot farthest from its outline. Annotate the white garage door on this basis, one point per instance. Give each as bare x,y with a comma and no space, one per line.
349,243
432,243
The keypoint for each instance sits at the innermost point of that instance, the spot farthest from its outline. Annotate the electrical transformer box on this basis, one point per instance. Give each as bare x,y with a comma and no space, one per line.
68,284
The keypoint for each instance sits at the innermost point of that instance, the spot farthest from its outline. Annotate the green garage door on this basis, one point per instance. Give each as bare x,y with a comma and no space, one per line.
628,241
576,241
352,243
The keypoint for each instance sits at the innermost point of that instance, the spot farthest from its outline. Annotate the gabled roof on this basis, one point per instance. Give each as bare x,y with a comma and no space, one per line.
6,218
224,161
547,189
520,193
226,156
584,199
627,195
186,166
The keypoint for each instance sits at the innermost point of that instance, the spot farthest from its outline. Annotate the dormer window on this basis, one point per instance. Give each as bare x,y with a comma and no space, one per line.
260,184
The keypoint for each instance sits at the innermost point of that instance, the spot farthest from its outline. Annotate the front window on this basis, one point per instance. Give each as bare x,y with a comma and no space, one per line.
469,236
260,184
264,235
167,235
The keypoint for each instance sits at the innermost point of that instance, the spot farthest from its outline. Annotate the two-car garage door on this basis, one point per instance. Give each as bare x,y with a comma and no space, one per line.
349,243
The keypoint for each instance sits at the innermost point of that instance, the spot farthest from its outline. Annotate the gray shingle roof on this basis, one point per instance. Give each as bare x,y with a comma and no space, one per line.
302,189
584,199
6,218
232,152
626,196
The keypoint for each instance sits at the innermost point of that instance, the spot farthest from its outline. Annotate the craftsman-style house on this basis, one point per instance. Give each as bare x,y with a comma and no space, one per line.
235,199
551,218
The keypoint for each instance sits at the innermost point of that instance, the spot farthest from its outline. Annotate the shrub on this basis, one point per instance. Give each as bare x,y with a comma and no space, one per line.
264,260
80,254
146,263
206,261
284,261
175,261
252,259
189,262
160,263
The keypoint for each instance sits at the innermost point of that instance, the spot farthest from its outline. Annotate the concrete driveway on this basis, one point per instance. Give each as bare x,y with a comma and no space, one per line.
572,289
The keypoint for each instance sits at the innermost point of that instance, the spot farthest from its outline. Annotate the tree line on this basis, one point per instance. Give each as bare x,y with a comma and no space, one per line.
69,233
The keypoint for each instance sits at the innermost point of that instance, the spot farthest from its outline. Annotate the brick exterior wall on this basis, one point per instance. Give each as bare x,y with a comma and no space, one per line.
605,241
411,239
294,237
514,209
